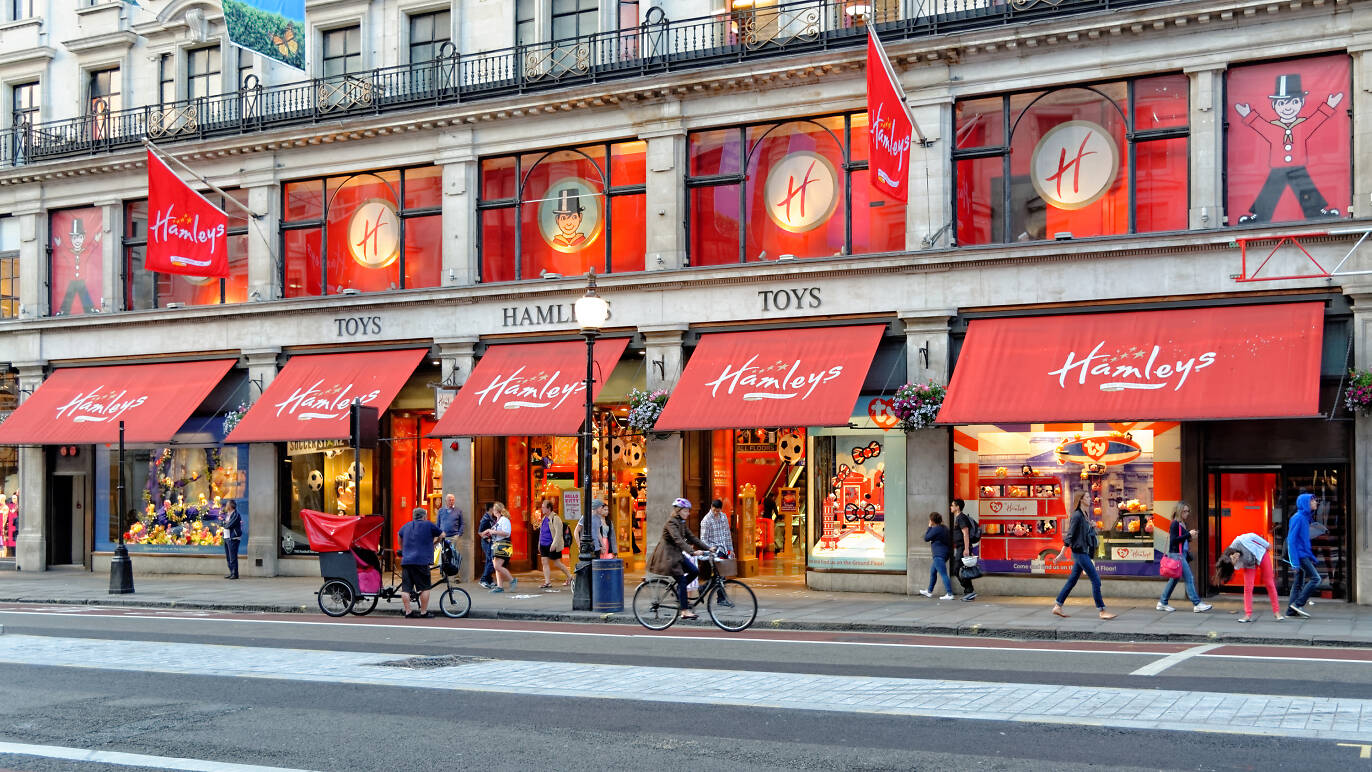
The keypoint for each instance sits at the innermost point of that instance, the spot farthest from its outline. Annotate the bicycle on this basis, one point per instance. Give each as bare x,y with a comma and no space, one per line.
341,595
731,603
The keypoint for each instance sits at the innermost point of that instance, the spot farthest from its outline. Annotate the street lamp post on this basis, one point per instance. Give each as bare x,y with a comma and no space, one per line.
121,568
591,313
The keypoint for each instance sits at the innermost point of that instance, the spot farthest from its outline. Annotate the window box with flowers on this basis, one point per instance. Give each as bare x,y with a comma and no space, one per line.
645,407
1357,395
917,404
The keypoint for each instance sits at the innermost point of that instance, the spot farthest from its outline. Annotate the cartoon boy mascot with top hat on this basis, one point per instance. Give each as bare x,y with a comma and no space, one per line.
1286,136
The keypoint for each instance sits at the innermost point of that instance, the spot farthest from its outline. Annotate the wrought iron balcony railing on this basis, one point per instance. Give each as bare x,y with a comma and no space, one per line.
659,45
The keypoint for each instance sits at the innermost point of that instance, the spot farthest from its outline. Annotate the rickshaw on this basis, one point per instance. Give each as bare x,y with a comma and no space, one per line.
350,563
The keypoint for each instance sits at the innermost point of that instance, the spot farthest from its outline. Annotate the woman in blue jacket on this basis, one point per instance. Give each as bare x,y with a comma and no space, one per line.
941,546
1301,556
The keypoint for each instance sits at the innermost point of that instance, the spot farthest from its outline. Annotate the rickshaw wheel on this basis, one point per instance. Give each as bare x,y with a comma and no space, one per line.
364,605
335,598
455,602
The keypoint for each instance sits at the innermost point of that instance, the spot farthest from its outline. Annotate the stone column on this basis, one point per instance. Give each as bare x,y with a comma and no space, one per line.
461,224
927,457
111,251
264,258
260,558
31,544
929,212
1360,512
1207,148
665,197
33,259
664,456
458,356
1360,100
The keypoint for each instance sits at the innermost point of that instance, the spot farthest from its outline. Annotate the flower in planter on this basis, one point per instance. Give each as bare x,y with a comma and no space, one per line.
644,409
232,417
1357,395
917,404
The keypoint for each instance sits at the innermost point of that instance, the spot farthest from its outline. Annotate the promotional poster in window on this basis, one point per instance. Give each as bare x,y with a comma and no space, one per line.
78,262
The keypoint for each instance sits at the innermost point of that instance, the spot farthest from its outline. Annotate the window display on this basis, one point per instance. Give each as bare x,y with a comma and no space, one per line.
77,261
760,192
1101,159
173,494
563,212
324,478
859,478
1019,484
1288,140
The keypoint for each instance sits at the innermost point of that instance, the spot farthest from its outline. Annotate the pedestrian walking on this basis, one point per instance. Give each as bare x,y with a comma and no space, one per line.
940,547
550,545
714,529
233,532
417,540
1253,554
1178,547
962,547
501,547
1301,555
1081,539
669,556
487,569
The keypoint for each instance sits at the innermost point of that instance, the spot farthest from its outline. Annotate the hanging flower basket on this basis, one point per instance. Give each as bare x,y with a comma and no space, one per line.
1357,395
644,409
917,405
232,417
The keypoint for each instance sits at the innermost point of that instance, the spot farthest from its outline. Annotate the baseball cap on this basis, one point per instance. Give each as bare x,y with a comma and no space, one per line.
683,503
597,503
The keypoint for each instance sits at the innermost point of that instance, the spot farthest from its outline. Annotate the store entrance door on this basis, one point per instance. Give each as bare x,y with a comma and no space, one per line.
1237,501
66,520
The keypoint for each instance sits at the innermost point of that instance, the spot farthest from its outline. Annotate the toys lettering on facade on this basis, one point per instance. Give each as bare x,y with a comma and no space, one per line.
1287,133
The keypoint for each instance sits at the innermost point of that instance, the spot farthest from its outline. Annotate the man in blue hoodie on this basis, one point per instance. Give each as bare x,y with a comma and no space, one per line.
1301,556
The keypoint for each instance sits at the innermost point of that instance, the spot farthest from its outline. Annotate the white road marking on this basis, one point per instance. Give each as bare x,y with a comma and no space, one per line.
132,759
1153,668
1334,719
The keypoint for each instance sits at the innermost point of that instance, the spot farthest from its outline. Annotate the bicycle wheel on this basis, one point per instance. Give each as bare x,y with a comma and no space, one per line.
335,598
455,602
364,605
732,605
655,604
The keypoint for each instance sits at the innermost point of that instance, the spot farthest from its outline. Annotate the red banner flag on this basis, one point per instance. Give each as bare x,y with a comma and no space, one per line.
186,233
891,130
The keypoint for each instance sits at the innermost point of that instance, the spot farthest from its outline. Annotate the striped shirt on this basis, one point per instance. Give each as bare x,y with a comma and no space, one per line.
714,531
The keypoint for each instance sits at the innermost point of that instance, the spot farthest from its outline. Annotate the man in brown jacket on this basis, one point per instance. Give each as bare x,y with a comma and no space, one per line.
667,557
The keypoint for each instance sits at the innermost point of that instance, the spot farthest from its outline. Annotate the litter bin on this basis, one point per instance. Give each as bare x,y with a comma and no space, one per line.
607,584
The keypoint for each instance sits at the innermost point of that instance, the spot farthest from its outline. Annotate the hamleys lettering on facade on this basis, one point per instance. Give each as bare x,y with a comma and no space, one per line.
186,233
309,398
798,377
1260,361
528,388
84,405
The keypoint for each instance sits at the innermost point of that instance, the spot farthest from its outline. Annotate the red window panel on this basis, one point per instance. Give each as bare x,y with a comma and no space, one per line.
627,163
498,179
1161,102
980,123
424,187
303,263
498,245
187,290
715,152
628,242
363,239
236,286
979,203
1161,191
423,251
795,200
878,222
714,225
304,201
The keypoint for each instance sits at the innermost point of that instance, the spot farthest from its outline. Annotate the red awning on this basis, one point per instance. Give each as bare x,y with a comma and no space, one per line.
309,398
1180,364
528,388
84,405
799,377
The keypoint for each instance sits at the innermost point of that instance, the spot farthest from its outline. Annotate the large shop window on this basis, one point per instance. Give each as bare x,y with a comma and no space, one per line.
368,232
1104,159
1288,134
563,212
174,493
859,486
76,261
150,289
9,267
797,188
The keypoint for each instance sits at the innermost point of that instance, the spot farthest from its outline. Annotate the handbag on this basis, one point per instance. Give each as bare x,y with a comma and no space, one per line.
502,549
1169,567
969,572
969,561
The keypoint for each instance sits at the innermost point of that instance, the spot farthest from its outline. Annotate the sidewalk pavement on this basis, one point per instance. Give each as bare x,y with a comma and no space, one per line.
782,605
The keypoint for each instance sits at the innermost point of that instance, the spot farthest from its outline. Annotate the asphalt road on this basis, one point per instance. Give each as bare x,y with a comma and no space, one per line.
336,721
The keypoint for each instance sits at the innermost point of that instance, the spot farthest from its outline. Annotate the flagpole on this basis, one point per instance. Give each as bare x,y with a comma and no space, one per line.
900,89
188,170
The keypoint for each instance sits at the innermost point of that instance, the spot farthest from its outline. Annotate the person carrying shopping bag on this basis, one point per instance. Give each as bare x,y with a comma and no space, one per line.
1178,543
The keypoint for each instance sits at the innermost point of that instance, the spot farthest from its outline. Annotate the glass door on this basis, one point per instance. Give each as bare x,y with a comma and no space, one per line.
1329,537
1238,501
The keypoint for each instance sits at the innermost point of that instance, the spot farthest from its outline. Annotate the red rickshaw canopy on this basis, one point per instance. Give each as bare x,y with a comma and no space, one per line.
339,533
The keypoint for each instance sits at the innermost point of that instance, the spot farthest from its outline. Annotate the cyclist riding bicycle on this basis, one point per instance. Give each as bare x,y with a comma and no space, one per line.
668,557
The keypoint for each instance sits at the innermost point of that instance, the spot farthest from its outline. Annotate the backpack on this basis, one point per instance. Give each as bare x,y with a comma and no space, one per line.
974,531
450,560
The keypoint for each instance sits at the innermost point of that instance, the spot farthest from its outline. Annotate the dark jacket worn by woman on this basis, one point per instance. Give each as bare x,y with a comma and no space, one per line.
1081,534
940,541
1177,537
676,539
